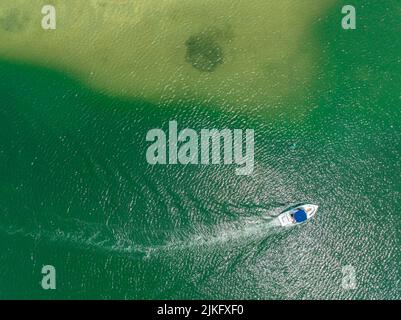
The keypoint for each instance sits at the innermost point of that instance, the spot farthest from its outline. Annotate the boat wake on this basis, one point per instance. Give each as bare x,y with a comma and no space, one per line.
99,237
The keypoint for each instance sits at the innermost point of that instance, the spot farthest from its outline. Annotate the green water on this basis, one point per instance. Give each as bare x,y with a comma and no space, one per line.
76,191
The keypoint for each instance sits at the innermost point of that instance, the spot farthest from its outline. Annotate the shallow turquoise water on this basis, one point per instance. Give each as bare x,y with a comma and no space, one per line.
77,193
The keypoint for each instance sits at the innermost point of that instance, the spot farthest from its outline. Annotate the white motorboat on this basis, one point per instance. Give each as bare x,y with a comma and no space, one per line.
297,215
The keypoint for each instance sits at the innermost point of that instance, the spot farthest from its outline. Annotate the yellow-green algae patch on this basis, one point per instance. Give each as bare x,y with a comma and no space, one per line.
234,53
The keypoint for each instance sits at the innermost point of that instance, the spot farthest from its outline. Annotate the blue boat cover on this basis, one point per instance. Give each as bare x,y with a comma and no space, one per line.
300,216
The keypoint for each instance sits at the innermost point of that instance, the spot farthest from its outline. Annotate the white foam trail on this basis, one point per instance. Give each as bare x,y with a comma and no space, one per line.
255,228
96,238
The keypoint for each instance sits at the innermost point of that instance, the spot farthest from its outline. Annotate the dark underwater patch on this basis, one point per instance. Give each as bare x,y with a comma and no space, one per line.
13,20
204,52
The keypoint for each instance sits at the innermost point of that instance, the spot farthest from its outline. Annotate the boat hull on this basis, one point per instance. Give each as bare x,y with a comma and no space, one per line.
286,219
